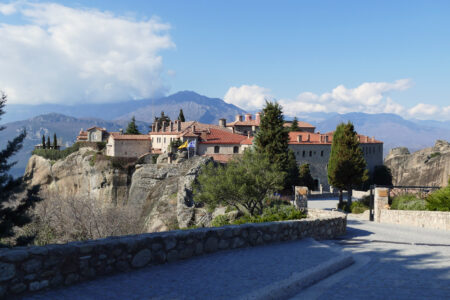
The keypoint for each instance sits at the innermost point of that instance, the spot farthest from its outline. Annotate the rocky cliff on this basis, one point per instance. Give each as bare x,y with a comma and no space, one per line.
162,192
427,167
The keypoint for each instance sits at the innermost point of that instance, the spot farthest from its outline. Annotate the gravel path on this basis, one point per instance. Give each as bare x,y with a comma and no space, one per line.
222,275
395,262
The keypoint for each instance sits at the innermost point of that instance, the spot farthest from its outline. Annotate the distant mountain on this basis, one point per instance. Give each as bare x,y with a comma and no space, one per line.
392,129
195,107
65,127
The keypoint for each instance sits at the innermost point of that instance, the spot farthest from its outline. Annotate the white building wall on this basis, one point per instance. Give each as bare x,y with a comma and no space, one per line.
127,148
223,149
162,141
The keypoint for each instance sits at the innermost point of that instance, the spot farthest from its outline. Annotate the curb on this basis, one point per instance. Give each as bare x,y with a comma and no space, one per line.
302,280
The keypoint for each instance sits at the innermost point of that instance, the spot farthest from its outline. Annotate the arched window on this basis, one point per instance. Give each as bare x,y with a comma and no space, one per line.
216,149
235,149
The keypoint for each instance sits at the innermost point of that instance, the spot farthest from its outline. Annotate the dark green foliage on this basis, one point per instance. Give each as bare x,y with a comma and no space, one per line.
294,127
270,214
382,175
43,142
435,154
408,202
358,207
439,200
181,116
55,141
163,118
243,183
305,177
53,154
14,208
49,145
346,166
175,143
132,127
272,139
344,206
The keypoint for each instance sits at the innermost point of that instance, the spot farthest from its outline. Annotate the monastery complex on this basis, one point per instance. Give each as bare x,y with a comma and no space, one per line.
225,140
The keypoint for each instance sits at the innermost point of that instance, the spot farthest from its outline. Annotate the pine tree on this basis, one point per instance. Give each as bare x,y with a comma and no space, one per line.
305,177
346,166
43,141
181,116
294,127
55,141
13,210
132,128
273,140
49,145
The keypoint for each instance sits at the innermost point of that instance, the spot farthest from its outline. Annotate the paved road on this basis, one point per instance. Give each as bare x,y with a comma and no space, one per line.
221,275
392,262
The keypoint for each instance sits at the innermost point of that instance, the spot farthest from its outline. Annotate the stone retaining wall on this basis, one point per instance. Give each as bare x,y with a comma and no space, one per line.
426,219
28,269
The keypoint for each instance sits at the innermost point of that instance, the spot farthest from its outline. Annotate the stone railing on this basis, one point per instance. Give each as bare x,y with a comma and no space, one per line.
427,219
28,269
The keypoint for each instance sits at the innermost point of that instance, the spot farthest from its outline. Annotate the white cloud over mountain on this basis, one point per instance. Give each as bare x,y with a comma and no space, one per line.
369,97
69,55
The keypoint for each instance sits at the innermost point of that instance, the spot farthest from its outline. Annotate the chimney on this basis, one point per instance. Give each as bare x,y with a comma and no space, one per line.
232,129
193,128
222,122
373,139
178,125
238,118
120,131
171,126
258,117
307,137
248,117
164,126
299,138
248,134
326,138
157,126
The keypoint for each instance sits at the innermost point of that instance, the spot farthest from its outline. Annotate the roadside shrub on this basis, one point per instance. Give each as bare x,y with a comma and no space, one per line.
220,220
358,207
408,202
439,200
344,207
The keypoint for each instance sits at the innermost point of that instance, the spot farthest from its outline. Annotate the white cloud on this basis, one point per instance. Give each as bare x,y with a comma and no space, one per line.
73,55
369,97
248,97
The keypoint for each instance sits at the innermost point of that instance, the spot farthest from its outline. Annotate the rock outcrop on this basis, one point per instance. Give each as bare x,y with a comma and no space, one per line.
162,192
427,167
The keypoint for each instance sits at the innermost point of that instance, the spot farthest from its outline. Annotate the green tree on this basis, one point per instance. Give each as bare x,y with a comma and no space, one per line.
294,127
55,141
382,175
49,145
43,141
244,183
160,120
273,140
15,198
305,177
346,166
132,128
181,116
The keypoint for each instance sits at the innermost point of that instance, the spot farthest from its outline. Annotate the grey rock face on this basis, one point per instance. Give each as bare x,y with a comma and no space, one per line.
427,167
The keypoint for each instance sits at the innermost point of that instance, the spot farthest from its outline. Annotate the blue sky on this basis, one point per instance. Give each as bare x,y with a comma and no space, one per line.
310,55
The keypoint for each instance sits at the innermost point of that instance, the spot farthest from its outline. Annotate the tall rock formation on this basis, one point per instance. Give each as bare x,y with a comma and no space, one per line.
162,192
426,167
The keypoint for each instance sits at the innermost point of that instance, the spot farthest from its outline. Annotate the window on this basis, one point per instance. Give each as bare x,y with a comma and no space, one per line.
310,153
235,149
216,149
321,153
304,153
164,140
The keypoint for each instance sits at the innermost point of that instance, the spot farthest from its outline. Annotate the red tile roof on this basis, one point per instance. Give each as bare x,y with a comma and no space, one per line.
323,139
301,124
220,136
247,141
118,136
96,127
244,123
164,133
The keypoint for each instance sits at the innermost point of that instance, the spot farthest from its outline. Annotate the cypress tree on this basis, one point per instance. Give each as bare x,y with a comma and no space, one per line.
294,127
43,141
13,208
181,116
49,145
305,177
273,140
346,166
55,141
132,128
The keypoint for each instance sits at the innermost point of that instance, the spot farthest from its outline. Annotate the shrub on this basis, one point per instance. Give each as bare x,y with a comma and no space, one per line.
358,207
344,207
439,200
220,220
435,154
408,202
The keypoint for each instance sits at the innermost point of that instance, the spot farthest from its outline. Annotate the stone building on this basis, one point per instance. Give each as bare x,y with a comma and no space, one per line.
93,134
128,145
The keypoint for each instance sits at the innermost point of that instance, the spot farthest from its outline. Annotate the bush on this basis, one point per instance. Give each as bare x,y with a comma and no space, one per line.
344,207
358,207
220,221
439,200
408,202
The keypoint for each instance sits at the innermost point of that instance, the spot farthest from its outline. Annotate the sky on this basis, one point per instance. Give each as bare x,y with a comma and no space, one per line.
310,56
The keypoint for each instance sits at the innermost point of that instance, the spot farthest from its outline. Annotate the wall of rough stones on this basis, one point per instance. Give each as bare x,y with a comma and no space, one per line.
426,219
29,269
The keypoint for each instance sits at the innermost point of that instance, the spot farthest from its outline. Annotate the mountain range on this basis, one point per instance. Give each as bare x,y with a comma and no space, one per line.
66,121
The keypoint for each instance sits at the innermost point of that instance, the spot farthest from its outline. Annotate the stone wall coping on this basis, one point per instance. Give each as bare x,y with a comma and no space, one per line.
29,269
